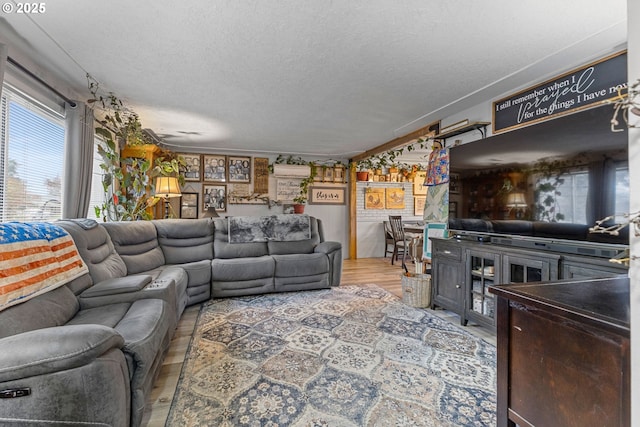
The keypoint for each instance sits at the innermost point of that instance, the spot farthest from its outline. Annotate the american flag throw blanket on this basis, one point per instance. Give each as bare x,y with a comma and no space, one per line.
35,258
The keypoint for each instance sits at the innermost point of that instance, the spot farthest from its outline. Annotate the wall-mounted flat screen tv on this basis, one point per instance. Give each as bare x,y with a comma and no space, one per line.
573,169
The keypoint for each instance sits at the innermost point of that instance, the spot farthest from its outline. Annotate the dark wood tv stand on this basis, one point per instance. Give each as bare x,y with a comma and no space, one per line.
464,268
564,353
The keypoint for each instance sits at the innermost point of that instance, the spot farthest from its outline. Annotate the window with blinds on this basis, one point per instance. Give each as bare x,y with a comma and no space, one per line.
32,150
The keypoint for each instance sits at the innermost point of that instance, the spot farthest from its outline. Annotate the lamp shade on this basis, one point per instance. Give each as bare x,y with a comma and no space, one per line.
167,186
515,200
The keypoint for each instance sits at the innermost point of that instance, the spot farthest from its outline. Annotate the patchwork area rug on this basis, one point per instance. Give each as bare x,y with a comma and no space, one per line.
347,356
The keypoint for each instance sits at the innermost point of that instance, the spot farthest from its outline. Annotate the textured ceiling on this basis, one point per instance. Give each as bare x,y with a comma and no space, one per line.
316,77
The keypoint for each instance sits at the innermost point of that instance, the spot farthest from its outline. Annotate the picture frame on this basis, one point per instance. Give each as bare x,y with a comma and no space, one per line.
261,175
327,174
374,198
193,167
189,206
214,168
419,188
327,195
339,174
394,198
418,205
239,169
214,196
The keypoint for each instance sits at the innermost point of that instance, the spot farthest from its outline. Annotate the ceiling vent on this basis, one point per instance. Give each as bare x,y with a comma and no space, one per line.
291,171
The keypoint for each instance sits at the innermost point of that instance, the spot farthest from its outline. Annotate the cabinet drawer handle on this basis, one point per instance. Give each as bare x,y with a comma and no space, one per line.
458,286
447,252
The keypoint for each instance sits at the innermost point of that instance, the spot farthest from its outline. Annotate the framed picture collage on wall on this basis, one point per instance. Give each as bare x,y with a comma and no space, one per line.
218,175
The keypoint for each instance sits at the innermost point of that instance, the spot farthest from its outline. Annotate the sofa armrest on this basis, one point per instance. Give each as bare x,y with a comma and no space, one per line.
117,285
60,348
327,247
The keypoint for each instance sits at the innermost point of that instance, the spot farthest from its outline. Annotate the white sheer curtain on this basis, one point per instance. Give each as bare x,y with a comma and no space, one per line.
80,136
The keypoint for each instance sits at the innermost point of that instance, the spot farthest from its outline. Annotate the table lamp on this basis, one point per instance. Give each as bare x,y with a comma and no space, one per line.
167,187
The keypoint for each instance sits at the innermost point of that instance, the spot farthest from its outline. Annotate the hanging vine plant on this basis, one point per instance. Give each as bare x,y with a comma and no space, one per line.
128,182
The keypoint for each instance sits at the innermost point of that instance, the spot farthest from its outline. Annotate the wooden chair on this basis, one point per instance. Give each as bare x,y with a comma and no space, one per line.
388,238
400,243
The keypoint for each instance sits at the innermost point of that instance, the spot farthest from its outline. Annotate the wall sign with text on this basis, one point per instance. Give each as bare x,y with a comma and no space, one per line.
327,195
576,90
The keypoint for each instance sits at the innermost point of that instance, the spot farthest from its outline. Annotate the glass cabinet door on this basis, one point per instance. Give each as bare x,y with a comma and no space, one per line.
520,269
483,272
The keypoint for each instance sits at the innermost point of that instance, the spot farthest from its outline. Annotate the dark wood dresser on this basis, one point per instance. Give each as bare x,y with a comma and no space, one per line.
563,353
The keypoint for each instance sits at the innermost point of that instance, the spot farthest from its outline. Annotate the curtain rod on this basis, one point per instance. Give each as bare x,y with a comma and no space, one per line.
39,80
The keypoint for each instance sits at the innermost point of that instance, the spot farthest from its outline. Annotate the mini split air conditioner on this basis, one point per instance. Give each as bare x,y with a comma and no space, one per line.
291,171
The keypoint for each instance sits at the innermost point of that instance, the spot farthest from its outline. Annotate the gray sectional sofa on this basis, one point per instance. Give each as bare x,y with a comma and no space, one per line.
89,351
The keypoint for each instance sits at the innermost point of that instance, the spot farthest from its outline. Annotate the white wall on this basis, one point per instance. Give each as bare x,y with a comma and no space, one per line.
369,221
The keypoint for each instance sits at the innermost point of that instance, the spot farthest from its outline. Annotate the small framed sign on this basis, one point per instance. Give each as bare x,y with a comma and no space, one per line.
327,195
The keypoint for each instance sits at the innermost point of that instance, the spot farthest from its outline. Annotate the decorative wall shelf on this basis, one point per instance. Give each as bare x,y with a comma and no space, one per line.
479,126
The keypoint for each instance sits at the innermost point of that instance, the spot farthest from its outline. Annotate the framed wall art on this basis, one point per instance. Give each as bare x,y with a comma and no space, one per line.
394,198
418,184
214,168
261,175
239,169
193,167
189,206
374,198
214,196
327,174
339,174
327,195
418,205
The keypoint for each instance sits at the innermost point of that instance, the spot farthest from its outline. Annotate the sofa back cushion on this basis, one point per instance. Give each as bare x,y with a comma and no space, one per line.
96,249
224,250
53,308
185,240
137,244
298,246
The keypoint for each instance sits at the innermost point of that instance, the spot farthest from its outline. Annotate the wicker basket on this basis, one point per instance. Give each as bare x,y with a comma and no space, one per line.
416,290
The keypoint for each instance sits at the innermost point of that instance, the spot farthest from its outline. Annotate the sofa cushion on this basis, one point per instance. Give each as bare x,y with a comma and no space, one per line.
54,308
96,249
137,244
145,326
225,250
105,315
239,269
297,247
50,350
184,241
300,265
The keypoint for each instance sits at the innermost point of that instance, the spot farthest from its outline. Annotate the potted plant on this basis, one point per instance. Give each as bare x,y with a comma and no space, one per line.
301,199
363,168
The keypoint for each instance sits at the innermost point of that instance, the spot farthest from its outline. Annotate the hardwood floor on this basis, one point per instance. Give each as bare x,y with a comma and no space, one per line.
377,271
